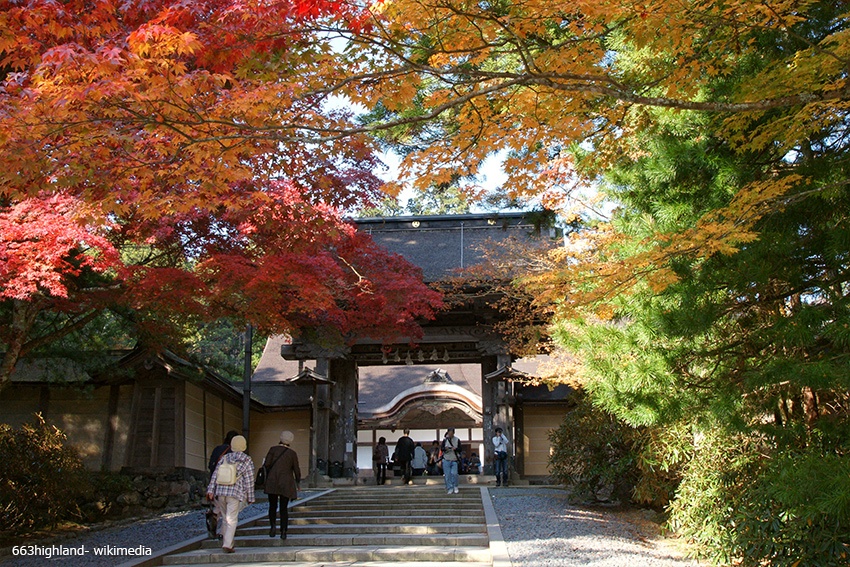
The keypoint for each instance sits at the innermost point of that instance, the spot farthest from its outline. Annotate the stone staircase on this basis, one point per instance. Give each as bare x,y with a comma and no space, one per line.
376,525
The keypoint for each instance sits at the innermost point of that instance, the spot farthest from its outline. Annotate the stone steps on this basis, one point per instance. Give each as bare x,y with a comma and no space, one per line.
364,526
261,528
423,510
428,480
283,555
336,517
457,505
353,539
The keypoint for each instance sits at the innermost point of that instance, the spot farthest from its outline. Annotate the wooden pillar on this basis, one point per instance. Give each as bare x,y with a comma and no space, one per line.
111,428
505,418
246,383
313,472
155,433
343,402
498,411
488,402
519,436
320,422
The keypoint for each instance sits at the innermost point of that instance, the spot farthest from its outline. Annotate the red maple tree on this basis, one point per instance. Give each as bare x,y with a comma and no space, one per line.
194,137
48,245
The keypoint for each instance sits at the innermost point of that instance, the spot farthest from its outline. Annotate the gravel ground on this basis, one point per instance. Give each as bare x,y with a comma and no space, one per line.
541,530
156,533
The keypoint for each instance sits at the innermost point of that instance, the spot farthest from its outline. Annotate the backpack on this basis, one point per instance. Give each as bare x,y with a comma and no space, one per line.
227,474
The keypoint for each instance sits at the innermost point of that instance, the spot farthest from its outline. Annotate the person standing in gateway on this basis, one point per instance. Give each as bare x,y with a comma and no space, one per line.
450,447
404,453
500,457
284,475
420,460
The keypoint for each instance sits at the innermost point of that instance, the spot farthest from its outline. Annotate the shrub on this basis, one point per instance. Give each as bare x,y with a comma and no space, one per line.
592,451
101,499
42,479
796,512
705,501
662,452
747,501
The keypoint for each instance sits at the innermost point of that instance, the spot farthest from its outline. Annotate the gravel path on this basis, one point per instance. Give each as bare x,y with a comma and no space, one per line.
541,530
155,533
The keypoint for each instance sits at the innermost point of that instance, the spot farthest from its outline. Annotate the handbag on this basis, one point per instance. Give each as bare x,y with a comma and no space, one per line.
211,522
501,455
261,477
264,470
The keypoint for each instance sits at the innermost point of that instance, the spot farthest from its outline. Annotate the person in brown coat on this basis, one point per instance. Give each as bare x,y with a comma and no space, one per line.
282,479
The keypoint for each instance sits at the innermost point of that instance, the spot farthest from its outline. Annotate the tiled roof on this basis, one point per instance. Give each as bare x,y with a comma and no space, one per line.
444,245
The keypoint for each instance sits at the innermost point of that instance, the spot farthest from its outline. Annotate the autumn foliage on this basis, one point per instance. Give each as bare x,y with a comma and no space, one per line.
534,79
145,107
52,230
162,157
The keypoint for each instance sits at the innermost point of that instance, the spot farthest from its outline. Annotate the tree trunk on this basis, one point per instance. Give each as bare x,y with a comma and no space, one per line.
23,318
810,405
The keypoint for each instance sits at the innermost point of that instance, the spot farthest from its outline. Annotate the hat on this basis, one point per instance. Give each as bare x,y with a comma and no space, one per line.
286,437
238,443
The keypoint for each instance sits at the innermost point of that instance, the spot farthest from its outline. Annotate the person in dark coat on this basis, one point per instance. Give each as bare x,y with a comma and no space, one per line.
219,450
404,453
282,479
380,458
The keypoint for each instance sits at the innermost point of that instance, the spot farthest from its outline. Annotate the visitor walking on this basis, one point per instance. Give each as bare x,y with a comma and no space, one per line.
451,451
500,457
404,453
232,487
380,458
214,526
420,460
282,478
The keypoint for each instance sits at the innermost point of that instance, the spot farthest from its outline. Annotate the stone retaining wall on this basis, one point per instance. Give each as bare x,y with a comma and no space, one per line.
158,490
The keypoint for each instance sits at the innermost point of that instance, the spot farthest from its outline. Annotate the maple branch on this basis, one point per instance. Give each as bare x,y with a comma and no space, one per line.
582,84
360,277
63,331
